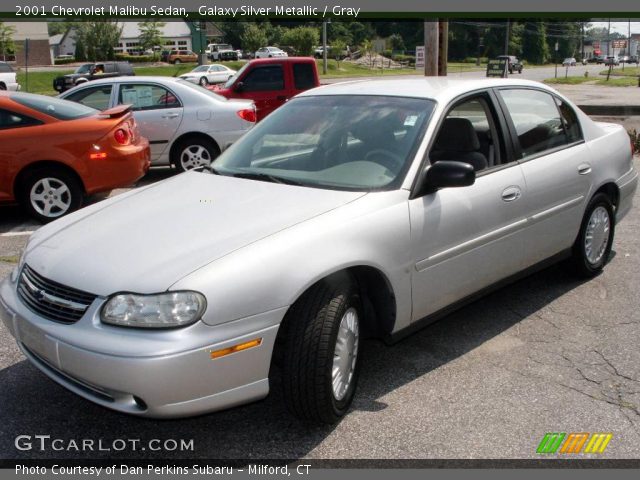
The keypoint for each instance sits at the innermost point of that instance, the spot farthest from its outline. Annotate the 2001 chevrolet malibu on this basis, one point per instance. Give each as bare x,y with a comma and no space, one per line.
356,210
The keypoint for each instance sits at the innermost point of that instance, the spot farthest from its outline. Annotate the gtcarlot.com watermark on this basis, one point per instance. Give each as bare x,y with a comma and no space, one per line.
45,443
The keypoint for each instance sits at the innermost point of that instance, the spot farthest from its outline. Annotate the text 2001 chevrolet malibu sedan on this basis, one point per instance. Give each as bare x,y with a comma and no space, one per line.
358,209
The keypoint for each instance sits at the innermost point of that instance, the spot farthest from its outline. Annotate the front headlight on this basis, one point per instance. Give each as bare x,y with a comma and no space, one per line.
162,310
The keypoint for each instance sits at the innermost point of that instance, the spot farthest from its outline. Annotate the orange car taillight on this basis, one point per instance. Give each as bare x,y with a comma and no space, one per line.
122,136
248,114
98,155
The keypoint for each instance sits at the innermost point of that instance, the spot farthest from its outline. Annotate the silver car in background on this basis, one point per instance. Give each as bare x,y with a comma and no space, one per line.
187,126
362,209
209,74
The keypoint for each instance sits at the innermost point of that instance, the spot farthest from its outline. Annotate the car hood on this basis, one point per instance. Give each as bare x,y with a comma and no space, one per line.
150,239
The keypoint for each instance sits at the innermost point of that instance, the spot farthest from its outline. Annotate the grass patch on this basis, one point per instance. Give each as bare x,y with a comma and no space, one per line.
40,82
10,259
619,82
348,69
568,80
619,72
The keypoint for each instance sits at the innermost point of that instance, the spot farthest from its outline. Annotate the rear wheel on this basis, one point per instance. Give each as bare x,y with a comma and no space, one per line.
177,61
204,82
593,245
2,86
50,193
321,360
194,152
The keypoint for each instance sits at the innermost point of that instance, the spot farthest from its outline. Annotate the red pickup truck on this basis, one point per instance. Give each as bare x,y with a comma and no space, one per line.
270,82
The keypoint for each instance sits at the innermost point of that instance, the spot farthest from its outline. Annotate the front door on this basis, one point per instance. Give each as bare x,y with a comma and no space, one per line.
465,239
266,86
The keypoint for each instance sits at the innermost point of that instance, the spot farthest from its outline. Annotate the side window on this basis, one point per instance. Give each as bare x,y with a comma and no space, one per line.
95,97
10,119
147,97
570,121
469,134
264,79
303,76
536,119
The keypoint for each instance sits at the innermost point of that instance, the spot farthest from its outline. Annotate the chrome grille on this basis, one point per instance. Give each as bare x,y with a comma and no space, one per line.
52,300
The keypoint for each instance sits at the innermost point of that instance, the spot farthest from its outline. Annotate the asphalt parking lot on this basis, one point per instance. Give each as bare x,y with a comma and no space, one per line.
547,354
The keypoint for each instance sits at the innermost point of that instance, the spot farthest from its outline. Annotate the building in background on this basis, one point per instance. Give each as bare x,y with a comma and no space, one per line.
63,44
37,35
175,35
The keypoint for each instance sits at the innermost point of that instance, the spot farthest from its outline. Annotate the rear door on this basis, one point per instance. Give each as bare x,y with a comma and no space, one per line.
304,77
266,86
158,112
557,168
94,96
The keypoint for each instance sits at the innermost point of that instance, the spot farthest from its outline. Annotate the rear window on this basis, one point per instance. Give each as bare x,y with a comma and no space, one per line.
5,68
54,107
303,76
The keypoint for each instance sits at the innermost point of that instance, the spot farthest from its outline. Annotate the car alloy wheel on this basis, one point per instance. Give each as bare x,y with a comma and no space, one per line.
195,156
345,354
50,197
596,237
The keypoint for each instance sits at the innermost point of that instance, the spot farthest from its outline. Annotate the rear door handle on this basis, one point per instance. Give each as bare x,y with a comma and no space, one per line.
511,194
584,169
170,115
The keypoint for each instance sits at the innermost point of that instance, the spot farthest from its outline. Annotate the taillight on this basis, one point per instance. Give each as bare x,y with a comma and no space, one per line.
122,136
248,114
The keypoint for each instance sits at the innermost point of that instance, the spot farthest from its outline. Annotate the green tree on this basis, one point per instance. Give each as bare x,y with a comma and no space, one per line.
100,39
534,42
81,50
337,50
396,42
302,39
253,38
7,47
150,35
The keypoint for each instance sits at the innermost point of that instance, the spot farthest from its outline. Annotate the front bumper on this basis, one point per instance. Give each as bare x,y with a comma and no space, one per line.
166,373
627,185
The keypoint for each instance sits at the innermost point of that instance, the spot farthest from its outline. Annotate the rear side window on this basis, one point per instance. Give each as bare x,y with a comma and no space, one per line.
9,119
147,97
95,97
303,76
264,79
5,68
54,107
536,120
570,121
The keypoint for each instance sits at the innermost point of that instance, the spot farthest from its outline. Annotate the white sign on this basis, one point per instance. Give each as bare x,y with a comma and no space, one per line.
419,58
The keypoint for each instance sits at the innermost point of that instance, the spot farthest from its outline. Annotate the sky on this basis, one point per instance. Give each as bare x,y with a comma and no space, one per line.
620,27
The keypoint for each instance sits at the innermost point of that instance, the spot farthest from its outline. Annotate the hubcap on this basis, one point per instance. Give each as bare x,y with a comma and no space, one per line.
194,156
596,237
50,197
345,353
203,81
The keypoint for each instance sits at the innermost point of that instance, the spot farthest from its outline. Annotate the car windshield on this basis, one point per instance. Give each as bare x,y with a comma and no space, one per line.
86,68
54,107
359,142
233,79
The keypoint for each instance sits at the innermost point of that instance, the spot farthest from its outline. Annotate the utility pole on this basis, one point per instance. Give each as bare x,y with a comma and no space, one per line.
582,42
506,39
431,47
609,38
324,47
443,51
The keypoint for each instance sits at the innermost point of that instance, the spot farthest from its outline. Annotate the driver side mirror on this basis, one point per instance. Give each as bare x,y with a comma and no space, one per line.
447,174
239,87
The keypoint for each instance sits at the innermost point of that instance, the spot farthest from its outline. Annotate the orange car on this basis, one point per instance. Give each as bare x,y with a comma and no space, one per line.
54,152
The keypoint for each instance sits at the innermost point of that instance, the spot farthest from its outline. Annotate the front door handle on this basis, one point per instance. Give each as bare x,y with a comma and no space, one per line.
511,194
171,115
584,169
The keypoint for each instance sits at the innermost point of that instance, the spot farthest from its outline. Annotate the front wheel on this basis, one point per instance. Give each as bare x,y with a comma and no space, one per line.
50,193
322,347
177,61
204,82
592,247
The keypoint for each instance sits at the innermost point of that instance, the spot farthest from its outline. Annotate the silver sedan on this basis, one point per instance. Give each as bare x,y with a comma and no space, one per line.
187,125
364,209
209,74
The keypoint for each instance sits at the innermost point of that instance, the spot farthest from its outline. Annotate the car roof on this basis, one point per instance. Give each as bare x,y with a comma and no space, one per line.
284,59
435,88
132,79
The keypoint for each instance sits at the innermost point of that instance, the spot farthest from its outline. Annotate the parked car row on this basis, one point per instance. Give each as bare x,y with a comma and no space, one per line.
356,210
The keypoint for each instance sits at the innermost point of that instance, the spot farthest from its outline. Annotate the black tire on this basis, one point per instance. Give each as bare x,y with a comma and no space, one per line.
579,261
2,86
309,346
177,61
204,82
57,177
192,142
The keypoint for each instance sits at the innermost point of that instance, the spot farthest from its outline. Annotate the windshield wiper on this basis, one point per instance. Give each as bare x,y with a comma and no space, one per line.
267,178
206,167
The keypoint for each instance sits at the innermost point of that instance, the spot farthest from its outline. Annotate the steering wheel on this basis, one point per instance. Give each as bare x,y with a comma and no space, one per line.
394,162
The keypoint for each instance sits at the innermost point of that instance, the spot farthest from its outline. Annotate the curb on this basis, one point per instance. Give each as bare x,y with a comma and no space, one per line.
611,110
